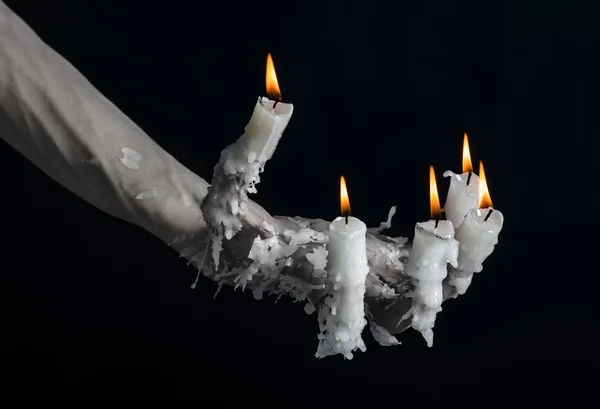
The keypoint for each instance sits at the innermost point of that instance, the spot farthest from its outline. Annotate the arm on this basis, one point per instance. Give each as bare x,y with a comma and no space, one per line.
54,117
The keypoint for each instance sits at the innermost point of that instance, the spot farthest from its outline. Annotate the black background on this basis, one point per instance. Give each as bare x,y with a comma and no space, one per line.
95,308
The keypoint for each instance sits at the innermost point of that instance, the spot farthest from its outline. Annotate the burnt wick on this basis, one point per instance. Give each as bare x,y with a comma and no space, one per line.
488,215
276,102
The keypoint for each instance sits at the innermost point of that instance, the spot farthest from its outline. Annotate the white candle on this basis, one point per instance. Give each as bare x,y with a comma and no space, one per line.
477,236
268,121
241,163
433,248
463,194
347,269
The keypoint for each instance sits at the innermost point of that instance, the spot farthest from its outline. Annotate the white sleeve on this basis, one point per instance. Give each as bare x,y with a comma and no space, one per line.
54,117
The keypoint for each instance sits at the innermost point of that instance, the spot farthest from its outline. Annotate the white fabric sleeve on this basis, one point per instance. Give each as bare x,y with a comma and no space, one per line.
54,117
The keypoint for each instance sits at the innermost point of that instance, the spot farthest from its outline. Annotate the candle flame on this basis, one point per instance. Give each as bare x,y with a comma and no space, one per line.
273,91
434,199
344,199
485,199
467,165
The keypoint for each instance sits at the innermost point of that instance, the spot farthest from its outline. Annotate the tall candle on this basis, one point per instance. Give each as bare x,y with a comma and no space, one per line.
477,236
433,248
463,193
268,121
347,270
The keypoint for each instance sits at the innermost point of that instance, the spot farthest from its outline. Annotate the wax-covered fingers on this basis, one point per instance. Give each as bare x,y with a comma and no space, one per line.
394,317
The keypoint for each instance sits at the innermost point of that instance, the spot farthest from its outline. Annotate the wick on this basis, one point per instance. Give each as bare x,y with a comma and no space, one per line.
488,215
275,104
469,178
437,221
346,217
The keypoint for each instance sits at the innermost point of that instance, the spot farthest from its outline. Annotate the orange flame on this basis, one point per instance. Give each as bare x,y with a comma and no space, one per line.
485,200
467,165
434,199
344,199
273,91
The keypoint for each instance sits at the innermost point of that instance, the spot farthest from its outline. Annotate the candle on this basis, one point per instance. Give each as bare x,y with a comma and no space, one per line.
269,119
433,248
343,316
477,236
240,165
463,193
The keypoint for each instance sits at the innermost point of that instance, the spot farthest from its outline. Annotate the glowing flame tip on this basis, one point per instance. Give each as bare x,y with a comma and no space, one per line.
485,199
434,199
467,164
344,199
273,91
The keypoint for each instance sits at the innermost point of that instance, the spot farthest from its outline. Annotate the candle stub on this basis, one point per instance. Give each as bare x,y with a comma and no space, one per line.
462,197
342,318
265,128
477,237
433,248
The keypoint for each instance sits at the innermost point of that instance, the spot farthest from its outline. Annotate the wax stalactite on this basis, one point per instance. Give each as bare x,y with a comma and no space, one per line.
434,247
478,236
342,315
463,193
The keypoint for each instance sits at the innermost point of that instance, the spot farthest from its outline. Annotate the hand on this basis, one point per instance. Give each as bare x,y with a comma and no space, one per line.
248,248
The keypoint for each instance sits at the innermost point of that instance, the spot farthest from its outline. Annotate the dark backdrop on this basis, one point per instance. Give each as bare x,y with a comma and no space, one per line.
94,307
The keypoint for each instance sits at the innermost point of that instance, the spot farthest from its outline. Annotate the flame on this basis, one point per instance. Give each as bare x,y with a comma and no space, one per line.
273,91
485,200
467,165
344,199
434,199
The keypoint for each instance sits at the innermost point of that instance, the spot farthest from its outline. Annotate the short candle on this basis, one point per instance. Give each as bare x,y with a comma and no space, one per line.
242,162
477,236
463,193
268,121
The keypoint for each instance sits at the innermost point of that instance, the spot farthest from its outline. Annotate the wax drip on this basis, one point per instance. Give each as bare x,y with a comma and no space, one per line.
488,215
469,178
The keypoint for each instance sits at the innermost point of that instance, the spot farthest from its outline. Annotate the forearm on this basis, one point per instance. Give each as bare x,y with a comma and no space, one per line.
53,116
